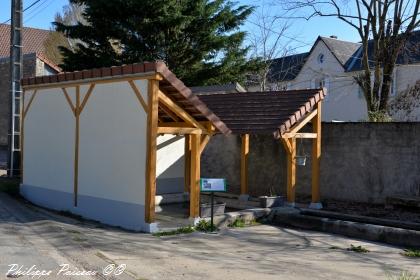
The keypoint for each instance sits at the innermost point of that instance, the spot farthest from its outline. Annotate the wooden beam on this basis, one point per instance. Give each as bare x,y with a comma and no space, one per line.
152,127
99,80
300,135
195,176
172,115
244,163
291,172
178,130
179,111
76,148
204,141
316,156
25,110
294,129
287,145
86,98
67,96
138,95
187,163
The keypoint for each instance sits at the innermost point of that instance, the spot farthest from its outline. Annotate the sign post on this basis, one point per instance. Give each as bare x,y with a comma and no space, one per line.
212,185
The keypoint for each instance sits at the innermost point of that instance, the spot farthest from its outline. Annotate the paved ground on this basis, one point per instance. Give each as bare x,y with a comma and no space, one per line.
32,236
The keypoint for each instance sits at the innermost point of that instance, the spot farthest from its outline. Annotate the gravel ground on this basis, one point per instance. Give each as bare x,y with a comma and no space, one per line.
33,236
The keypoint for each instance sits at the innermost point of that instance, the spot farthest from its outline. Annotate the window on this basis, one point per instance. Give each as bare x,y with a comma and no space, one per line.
321,58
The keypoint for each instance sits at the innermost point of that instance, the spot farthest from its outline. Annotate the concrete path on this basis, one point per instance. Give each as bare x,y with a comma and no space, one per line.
33,236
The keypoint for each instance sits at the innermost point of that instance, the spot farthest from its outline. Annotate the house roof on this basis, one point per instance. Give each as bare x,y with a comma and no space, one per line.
170,85
32,39
263,112
342,50
218,89
286,68
409,55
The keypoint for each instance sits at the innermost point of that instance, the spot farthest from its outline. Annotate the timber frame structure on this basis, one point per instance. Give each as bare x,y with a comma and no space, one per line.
172,108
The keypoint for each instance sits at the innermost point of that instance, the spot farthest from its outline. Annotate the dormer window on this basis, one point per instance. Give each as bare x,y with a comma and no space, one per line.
321,58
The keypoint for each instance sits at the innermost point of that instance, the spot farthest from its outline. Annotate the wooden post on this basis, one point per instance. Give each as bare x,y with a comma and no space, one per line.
187,163
316,159
244,164
291,171
195,176
152,126
76,147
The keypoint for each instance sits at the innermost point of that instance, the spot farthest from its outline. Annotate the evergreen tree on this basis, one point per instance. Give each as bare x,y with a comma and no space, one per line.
199,40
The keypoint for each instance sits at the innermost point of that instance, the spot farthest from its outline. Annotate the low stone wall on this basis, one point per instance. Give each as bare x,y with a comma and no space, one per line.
364,162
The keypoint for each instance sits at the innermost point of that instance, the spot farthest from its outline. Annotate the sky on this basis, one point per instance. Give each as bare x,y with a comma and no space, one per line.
301,33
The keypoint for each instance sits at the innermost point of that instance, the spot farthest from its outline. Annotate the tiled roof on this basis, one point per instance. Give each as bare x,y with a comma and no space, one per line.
170,85
33,40
218,89
286,68
409,55
263,112
342,50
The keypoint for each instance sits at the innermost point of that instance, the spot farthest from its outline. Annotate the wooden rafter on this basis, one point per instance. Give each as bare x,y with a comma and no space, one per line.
294,129
179,111
172,115
85,99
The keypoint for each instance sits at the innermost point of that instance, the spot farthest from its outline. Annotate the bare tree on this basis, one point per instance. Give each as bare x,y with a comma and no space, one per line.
384,26
268,41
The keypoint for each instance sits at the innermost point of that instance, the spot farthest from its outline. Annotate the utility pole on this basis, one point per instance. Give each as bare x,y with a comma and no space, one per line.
16,59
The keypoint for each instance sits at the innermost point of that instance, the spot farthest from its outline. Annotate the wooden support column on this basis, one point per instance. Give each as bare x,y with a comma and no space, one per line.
244,164
195,176
291,171
316,159
187,163
152,127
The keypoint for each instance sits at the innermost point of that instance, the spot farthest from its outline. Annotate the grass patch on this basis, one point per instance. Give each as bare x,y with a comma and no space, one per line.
412,253
334,248
405,275
357,249
205,226
238,223
10,187
181,230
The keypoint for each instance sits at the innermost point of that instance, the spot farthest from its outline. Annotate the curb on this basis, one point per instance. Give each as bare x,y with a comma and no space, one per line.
386,234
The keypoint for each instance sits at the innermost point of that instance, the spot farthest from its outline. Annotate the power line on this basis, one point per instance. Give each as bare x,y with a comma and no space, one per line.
24,10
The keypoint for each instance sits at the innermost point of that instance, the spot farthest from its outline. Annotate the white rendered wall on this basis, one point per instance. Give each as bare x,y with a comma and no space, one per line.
49,142
170,164
112,158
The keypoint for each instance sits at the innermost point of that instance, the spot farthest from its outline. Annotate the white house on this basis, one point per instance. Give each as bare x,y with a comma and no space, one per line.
333,64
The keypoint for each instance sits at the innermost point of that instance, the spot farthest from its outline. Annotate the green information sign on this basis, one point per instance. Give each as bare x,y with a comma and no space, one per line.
212,185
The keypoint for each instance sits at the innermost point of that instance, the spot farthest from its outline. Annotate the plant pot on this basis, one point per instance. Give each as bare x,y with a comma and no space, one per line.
218,209
271,201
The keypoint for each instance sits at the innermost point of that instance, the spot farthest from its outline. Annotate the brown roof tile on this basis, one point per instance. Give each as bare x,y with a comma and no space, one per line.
263,112
33,40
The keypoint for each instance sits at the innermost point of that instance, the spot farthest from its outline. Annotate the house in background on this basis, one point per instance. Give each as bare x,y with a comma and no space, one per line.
333,63
34,64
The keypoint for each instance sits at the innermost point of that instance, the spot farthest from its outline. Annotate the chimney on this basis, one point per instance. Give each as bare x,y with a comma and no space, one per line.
333,37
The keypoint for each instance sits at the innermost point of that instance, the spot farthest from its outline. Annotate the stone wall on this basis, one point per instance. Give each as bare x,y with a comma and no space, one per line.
363,162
